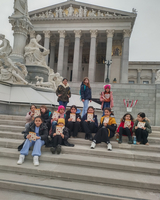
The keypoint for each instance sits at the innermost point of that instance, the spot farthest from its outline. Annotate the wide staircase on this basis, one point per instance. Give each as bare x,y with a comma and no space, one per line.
80,173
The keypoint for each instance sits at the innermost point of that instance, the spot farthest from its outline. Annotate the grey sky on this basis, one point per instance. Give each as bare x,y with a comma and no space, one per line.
145,38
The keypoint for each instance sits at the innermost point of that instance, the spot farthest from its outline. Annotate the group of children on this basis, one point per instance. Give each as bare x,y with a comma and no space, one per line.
53,130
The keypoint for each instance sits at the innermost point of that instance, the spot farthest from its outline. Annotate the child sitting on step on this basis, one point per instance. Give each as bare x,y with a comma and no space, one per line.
142,128
30,116
106,130
60,135
40,130
89,123
125,128
73,121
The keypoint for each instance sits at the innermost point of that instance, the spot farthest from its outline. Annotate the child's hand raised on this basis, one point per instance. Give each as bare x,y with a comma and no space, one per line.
62,135
28,136
78,120
37,138
86,120
105,124
144,128
136,127
54,134
69,119
54,119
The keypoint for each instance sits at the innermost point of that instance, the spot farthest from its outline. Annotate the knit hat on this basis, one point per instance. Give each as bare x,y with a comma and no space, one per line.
61,120
107,86
61,107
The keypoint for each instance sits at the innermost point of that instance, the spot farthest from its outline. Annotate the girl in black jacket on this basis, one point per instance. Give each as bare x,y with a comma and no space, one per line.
41,131
73,120
86,95
46,116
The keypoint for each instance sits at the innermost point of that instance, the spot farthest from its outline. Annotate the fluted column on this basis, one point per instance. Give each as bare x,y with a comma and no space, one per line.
62,35
52,54
153,75
92,57
80,62
46,42
125,56
65,65
32,34
110,34
76,55
139,75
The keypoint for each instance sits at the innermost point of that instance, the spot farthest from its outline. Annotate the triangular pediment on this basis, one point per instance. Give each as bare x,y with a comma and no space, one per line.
74,9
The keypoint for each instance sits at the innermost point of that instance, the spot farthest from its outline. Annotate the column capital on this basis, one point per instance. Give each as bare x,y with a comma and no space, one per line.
139,70
94,33
78,33
110,33
53,43
47,34
126,33
62,34
32,33
66,43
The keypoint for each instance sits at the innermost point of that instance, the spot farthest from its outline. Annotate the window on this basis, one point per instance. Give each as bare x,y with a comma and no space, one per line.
131,82
145,82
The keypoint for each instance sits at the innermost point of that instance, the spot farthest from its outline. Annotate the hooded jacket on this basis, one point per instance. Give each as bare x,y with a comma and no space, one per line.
147,125
63,90
85,92
46,117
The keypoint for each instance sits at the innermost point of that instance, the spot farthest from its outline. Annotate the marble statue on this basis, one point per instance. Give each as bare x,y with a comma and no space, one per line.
20,8
60,12
58,79
70,11
57,13
85,12
76,14
5,45
45,84
80,11
33,55
50,14
64,14
46,14
157,77
108,14
134,10
99,13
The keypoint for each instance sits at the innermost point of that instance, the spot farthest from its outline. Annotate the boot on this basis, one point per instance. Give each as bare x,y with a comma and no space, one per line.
58,149
130,140
120,139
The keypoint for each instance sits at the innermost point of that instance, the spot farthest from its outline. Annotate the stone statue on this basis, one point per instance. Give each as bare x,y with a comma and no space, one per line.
70,11
158,77
58,79
76,14
33,55
50,14
5,45
64,14
45,84
134,10
20,8
80,12
85,12
46,14
60,12
57,13
99,13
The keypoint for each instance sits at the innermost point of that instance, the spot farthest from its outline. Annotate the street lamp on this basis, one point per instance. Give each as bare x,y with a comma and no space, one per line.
108,63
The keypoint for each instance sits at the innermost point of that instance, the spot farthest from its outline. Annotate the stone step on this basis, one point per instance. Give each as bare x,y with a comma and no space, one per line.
83,174
12,117
65,190
100,151
12,128
12,123
89,161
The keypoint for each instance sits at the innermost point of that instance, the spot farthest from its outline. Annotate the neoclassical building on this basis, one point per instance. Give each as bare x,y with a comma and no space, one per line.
82,37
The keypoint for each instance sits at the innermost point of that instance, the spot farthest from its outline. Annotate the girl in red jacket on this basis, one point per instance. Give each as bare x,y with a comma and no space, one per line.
125,128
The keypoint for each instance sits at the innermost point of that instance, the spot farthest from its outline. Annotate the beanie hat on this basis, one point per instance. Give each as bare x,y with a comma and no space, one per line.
61,120
61,107
107,86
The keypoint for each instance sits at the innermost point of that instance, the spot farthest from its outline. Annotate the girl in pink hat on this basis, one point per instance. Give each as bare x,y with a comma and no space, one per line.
106,98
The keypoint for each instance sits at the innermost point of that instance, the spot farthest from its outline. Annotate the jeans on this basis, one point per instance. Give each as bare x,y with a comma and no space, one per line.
63,103
106,105
85,107
36,149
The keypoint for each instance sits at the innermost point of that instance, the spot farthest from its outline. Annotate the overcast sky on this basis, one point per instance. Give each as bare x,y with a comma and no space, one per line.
145,38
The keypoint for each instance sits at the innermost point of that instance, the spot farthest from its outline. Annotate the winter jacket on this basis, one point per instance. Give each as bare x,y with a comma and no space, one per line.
63,91
68,116
94,117
43,131
85,92
46,117
147,125
111,126
65,133
111,99
122,125
29,117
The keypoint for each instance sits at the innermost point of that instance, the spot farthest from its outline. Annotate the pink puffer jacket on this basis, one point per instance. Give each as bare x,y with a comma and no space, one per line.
111,100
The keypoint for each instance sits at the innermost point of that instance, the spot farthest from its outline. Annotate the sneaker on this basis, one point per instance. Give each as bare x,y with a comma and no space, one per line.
53,150
21,159
58,149
93,145
109,147
35,161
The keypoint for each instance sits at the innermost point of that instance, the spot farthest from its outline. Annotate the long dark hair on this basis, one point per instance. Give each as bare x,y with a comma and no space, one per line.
131,117
88,84
109,109
73,106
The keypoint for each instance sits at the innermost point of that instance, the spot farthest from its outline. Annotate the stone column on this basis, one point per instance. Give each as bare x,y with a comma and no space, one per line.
110,34
125,56
46,42
62,35
76,55
80,62
153,75
32,34
52,54
92,57
139,75
65,64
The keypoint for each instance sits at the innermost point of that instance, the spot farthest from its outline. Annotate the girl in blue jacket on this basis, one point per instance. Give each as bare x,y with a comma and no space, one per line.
86,95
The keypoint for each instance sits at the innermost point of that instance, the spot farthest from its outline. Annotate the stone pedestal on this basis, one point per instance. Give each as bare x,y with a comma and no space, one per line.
34,70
